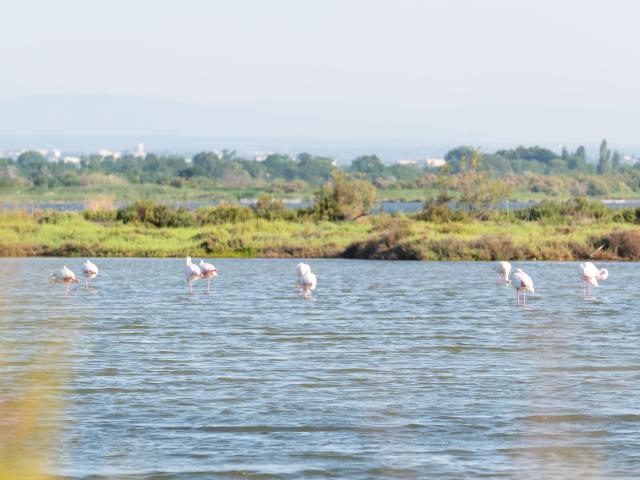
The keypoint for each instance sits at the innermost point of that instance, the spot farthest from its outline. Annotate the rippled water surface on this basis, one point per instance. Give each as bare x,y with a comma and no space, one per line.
391,370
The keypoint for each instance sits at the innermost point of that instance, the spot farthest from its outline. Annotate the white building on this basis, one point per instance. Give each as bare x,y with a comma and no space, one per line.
54,155
74,160
138,150
104,153
436,162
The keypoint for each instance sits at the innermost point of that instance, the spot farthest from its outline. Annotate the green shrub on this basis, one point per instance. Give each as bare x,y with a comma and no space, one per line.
269,208
100,216
223,214
158,215
627,215
564,212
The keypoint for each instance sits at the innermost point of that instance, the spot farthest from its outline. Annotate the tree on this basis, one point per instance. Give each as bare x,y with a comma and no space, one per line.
370,165
604,161
565,154
615,160
280,166
36,169
344,198
478,193
314,169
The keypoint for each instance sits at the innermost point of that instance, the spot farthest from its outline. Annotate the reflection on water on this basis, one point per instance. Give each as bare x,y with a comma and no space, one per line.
393,370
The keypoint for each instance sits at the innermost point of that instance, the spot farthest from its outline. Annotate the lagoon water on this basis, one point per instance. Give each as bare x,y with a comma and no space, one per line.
392,370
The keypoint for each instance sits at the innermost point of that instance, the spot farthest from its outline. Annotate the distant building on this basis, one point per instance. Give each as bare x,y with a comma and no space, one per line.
407,162
436,162
104,153
14,154
54,155
74,160
138,150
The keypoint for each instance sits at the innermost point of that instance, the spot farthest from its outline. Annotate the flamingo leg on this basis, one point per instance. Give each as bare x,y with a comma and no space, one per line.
190,289
67,291
208,285
524,297
517,297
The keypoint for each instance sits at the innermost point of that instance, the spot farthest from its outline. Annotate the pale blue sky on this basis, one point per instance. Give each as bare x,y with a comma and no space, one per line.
460,70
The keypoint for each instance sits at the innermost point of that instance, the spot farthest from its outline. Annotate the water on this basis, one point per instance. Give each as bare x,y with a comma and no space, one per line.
388,206
392,370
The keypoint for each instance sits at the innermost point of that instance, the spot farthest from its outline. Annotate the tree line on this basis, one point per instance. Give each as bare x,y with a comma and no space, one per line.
305,172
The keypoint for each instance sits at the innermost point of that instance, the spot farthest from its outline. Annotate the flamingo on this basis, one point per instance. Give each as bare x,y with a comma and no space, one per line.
503,269
590,275
66,276
521,281
207,271
307,283
192,272
89,270
302,268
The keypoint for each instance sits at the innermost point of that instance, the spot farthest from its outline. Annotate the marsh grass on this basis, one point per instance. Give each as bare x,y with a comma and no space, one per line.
234,232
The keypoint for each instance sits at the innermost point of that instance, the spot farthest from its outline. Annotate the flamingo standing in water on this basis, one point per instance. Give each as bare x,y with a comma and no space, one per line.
192,272
590,275
503,269
521,281
307,281
207,271
302,268
89,270
66,276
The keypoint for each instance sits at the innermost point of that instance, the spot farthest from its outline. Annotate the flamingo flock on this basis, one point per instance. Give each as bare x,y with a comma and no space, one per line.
307,280
521,282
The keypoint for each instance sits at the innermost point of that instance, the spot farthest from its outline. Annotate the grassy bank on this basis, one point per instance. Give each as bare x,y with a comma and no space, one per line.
211,234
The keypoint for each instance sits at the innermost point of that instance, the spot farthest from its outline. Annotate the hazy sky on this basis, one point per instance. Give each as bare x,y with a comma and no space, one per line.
463,70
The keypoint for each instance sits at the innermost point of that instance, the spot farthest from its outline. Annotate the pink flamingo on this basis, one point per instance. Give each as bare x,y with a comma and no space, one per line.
66,276
89,270
192,272
590,275
208,271
521,281
503,269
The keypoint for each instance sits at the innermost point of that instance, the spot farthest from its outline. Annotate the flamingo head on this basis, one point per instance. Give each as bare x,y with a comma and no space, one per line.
603,274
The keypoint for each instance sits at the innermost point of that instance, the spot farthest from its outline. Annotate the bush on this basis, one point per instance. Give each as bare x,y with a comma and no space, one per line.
438,211
51,216
562,212
100,216
158,215
495,247
270,209
628,215
223,214
220,242
623,244
343,198
388,242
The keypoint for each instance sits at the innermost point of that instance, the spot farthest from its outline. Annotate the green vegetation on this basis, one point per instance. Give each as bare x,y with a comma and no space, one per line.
576,229
337,223
523,173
